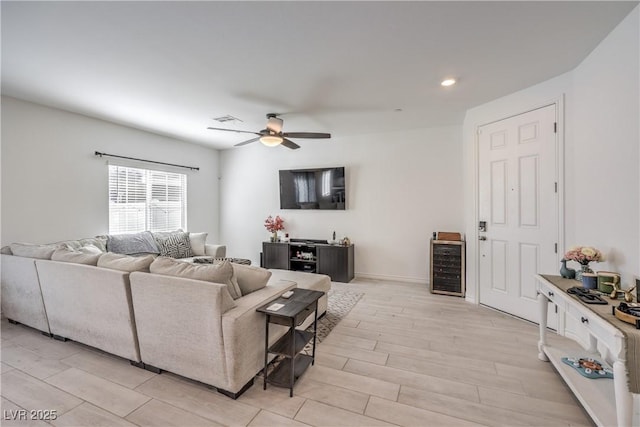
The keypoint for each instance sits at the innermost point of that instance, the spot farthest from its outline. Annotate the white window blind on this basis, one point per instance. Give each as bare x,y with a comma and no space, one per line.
143,199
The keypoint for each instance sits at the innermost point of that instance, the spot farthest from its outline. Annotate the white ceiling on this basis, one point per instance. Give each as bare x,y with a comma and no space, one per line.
339,67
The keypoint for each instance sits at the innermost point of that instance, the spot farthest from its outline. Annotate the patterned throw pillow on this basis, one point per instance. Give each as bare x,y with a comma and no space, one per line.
243,261
174,245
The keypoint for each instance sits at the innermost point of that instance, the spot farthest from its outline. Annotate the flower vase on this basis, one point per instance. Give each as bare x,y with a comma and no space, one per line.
567,273
274,236
584,268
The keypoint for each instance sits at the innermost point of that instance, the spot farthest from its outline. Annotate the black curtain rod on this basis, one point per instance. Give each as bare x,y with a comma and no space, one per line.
193,168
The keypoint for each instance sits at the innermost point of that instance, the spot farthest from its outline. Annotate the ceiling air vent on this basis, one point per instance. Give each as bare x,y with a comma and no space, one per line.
227,118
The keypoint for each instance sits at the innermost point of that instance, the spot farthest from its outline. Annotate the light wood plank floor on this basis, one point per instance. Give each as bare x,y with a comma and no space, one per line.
401,357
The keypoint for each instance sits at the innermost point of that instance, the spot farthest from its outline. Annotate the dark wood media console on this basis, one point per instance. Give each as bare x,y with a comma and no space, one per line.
333,260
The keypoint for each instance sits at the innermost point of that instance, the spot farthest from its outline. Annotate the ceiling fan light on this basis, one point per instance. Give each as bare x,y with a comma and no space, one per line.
271,140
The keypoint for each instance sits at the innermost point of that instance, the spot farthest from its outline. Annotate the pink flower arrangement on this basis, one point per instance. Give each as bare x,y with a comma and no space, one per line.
274,224
583,255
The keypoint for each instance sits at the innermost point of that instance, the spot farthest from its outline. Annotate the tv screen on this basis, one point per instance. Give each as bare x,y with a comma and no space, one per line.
322,188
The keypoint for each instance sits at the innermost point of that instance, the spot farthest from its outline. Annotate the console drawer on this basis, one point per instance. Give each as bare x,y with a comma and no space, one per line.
300,318
550,293
589,321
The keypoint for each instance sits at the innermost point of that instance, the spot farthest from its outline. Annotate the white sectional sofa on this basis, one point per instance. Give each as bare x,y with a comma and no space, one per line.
159,320
21,295
91,305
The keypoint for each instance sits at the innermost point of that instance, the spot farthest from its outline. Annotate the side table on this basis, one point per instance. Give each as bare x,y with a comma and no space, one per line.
292,313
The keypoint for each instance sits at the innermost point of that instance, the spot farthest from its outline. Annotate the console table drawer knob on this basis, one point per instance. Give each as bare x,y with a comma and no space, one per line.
584,320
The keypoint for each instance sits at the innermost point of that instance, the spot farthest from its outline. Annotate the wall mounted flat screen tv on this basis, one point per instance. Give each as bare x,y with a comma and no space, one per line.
321,188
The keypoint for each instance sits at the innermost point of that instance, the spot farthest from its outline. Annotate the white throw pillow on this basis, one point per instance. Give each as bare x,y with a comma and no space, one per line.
198,241
76,257
125,262
250,278
216,273
76,245
91,250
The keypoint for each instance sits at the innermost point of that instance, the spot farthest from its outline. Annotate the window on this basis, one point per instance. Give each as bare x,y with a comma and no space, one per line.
143,199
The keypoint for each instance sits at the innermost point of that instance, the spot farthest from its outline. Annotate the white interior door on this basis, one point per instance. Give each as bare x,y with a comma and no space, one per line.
518,201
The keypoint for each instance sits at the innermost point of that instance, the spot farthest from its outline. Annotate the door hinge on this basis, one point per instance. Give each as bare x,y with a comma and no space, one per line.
555,186
555,127
555,247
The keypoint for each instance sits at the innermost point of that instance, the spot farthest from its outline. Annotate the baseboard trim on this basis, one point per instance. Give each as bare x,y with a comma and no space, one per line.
406,279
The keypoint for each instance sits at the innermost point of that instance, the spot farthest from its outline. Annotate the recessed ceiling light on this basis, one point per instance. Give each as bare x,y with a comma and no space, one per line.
448,82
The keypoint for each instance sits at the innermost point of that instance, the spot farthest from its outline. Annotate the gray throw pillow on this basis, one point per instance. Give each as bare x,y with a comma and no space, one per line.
175,245
132,244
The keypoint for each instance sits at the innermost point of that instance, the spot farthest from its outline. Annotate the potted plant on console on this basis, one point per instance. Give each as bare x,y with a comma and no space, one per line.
273,225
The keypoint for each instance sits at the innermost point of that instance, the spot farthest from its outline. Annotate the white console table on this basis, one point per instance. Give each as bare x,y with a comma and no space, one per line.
608,402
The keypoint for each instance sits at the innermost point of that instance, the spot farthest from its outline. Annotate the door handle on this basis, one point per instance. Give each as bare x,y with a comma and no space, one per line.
482,237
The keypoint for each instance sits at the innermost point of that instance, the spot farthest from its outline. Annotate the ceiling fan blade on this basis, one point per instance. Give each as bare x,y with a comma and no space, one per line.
306,135
249,141
289,144
235,130
274,124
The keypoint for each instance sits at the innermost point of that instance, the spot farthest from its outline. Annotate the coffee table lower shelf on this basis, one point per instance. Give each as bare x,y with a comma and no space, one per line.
281,375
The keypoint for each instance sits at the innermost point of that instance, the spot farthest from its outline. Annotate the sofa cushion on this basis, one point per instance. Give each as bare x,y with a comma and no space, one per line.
304,280
216,273
198,240
174,245
125,262
250,278
33,251
86,255
132,244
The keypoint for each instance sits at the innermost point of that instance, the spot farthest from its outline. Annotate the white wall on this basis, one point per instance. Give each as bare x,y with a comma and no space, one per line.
605,190
401,187
600,127
54,188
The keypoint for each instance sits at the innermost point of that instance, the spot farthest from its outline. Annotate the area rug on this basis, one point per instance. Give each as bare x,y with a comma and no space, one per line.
339,304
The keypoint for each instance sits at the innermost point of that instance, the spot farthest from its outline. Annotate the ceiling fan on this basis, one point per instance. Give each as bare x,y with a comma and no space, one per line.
272,135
